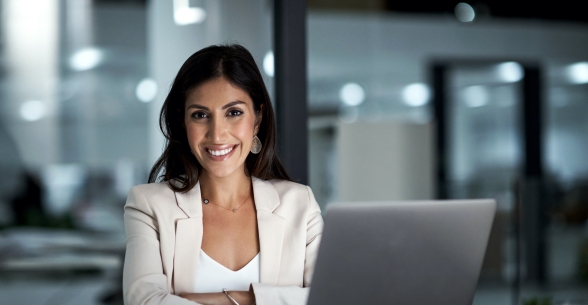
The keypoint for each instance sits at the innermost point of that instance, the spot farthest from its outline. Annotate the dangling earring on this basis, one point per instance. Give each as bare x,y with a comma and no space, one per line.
256,145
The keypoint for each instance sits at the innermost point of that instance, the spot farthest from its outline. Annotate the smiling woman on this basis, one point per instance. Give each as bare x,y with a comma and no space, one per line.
220,221
220,123
235,65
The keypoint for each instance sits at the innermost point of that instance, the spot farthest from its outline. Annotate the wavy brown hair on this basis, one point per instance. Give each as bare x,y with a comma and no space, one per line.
235,64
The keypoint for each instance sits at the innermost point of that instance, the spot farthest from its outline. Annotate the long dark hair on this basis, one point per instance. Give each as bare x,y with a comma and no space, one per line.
234,63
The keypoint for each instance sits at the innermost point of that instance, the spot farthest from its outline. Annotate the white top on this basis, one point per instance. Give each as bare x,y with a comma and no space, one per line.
213,277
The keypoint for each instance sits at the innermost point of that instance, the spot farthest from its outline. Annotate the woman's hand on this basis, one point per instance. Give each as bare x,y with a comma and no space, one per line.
219,298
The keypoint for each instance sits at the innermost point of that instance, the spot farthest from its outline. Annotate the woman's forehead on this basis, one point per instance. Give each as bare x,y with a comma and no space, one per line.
216,93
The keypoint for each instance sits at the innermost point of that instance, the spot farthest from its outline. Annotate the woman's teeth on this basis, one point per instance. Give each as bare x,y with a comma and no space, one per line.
221,152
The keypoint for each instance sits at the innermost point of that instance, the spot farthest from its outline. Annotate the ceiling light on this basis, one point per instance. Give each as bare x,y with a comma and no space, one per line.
578,73
510,72
352,94
184,14
268,64
464,12
32,110
85,59
146,90
416,94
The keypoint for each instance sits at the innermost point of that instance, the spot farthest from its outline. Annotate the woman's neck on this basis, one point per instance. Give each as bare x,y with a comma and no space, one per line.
226,191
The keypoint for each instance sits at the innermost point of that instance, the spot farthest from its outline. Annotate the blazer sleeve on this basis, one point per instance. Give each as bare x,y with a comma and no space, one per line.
144,281
294,295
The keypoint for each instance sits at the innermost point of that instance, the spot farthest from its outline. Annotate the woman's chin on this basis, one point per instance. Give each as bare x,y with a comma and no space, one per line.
220,173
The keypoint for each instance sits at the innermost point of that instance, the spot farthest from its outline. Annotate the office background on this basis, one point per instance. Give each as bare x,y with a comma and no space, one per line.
396,101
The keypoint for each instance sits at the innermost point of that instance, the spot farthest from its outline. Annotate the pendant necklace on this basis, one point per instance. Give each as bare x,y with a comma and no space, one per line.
206,201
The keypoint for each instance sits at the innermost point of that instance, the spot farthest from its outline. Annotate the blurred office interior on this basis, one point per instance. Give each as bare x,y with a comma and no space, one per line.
404,101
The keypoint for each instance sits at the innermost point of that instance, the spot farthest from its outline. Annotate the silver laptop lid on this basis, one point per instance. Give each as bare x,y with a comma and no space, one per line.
410,252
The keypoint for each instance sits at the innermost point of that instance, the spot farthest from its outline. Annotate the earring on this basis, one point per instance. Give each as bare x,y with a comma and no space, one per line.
256,145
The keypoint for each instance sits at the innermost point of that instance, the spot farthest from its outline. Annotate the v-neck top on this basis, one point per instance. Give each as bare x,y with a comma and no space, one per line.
211,276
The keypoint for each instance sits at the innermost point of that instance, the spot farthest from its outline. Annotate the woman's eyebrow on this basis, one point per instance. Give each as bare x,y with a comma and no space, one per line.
206,108
198,107
232,104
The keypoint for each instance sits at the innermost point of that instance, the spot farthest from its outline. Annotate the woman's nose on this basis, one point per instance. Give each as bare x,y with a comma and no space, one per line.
217,130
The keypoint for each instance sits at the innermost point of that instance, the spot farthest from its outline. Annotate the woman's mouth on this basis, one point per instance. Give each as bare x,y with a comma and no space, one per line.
220,152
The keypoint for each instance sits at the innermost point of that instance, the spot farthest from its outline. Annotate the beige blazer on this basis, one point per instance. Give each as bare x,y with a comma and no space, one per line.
164,235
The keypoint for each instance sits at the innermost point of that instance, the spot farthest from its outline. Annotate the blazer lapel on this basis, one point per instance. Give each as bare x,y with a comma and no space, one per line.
271,230
188,240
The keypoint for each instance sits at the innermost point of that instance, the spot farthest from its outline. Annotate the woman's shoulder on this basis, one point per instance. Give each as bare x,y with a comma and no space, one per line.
285,188
142,195
293,195
152,188
288,186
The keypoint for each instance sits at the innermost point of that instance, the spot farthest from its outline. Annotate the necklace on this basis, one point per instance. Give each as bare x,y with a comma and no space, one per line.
206,201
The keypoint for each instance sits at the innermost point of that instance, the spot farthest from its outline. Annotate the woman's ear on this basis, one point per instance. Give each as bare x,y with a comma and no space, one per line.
258,118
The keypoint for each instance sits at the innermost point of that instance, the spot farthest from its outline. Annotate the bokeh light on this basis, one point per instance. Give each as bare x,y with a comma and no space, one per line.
268,64
510,72
352,94
464,12
184,14
416,94
578,73
475,96
32,110
146,90
85,59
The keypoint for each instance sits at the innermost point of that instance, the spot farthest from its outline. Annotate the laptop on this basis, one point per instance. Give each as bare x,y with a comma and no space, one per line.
408,252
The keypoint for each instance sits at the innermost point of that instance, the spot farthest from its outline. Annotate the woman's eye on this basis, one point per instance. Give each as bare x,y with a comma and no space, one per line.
235,113
199,115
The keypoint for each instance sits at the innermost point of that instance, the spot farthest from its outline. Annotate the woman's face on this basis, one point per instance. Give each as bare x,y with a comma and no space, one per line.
220,123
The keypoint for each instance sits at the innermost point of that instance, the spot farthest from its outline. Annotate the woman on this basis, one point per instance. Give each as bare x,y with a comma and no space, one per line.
225,215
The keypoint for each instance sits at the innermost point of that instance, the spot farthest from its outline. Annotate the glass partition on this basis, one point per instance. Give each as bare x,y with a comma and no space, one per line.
372,129
484,155
567,166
